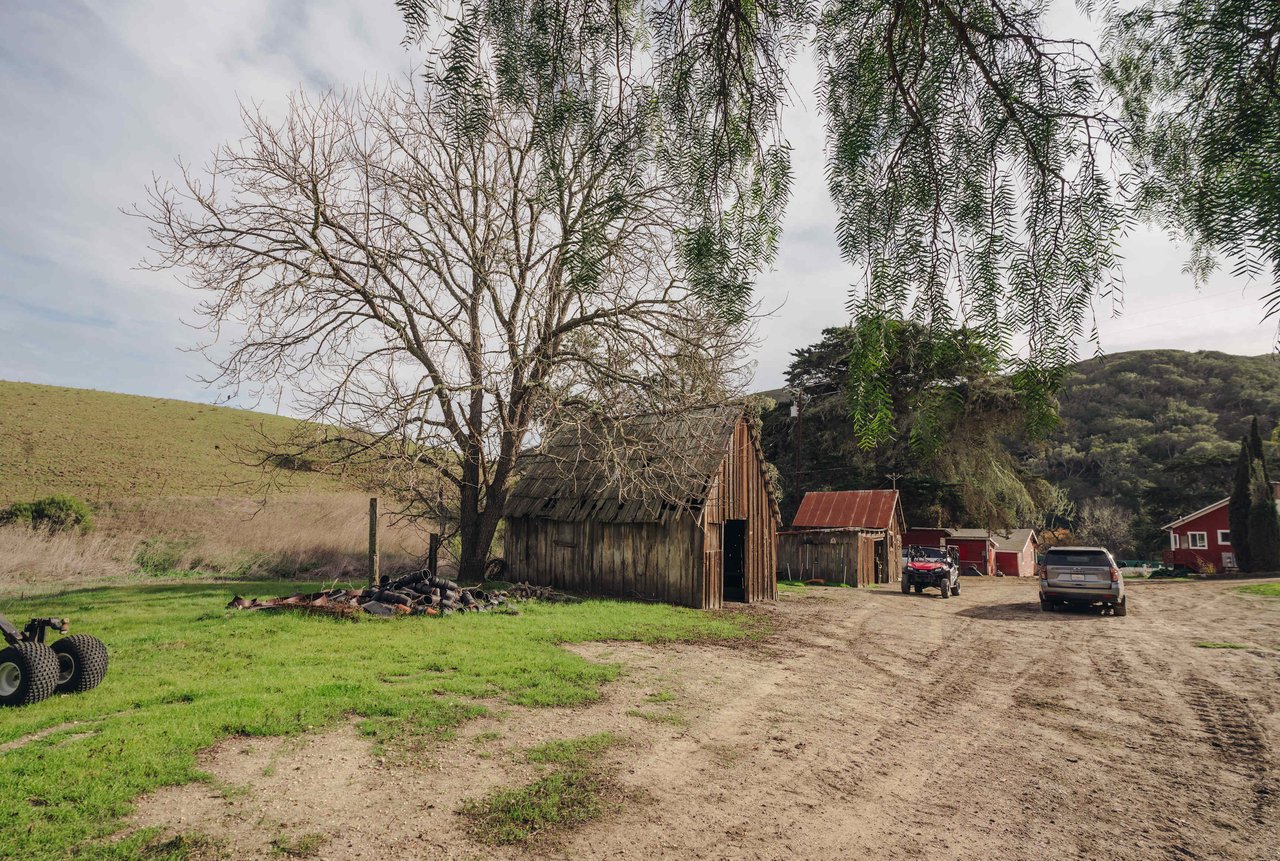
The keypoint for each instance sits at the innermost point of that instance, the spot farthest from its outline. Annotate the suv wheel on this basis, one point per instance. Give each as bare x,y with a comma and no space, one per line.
1122,609
1046,605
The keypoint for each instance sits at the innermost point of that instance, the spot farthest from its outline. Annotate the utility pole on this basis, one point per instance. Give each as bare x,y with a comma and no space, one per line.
798,436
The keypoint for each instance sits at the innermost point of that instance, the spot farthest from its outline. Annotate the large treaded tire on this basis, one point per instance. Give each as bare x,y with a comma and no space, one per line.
1122,609
955,590
82,663
28,674
945,589
906,585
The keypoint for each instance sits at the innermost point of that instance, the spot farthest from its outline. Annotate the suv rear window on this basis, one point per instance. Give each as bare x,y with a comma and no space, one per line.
1083,558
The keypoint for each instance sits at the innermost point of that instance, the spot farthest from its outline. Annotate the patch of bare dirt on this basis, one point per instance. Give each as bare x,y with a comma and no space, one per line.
872,724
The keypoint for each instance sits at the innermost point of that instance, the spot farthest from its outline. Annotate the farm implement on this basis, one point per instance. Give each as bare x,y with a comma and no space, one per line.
32,670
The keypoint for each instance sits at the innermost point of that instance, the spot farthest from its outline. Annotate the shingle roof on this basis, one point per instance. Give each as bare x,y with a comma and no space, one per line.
669,459
1012,541
847,509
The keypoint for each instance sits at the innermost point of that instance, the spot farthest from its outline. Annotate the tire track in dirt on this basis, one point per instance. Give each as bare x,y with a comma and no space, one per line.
877,725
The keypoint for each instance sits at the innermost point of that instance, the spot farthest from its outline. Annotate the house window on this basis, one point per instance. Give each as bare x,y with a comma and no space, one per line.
1198,540
1224,536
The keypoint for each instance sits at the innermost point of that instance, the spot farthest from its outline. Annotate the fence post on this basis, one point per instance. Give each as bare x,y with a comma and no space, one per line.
373,542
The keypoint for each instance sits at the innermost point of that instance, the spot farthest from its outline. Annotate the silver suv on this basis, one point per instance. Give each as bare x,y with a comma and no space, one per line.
1083,576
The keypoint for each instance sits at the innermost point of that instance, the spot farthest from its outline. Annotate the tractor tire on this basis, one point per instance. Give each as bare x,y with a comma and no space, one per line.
1122,609
28,674
945,589
906,586
919,588
82,663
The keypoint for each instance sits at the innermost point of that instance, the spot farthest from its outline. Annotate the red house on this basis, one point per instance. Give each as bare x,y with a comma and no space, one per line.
976,547
926,536
1016,553
1201,541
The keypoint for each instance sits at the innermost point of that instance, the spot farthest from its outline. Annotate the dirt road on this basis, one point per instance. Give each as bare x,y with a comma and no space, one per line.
872,724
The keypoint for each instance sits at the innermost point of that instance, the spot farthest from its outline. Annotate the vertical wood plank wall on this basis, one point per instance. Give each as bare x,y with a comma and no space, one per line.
847,556
740,492
680,562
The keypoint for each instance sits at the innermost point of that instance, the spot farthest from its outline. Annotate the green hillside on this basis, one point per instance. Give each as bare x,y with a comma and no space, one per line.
102,446
1158,431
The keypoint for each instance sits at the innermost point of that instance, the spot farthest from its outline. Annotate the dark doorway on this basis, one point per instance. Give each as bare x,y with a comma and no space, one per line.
735,560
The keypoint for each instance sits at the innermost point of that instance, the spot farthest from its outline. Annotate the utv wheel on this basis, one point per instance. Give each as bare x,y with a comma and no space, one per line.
919,588
906,586
28,674
945,588
955,590
1122,609
82,663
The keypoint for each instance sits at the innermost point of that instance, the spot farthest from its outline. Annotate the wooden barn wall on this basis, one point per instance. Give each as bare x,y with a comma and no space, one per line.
649,561
680,562
739,491
844,557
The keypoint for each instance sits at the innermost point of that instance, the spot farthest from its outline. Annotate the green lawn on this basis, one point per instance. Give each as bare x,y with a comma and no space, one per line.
185,673
1270,590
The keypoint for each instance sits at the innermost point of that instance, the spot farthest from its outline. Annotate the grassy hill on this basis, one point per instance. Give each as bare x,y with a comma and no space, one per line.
1158,431
102,446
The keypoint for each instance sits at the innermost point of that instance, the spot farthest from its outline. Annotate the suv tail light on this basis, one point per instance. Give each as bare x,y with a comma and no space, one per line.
1115,575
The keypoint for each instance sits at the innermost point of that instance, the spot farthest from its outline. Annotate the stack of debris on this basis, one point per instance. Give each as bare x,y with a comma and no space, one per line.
418,594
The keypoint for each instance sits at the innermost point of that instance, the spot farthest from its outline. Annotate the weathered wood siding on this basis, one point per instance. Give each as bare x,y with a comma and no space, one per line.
740,491
680,562
651,561
847,556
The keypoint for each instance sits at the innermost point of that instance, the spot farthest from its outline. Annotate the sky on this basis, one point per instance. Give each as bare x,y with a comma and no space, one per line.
96,98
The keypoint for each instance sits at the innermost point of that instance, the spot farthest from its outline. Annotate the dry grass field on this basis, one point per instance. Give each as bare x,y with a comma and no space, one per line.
316,535
172,495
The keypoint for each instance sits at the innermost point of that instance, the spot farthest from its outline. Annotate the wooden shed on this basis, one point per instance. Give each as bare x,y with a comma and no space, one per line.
694,521
847,536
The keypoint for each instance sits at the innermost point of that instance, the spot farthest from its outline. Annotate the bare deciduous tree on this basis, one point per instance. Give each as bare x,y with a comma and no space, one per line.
437,280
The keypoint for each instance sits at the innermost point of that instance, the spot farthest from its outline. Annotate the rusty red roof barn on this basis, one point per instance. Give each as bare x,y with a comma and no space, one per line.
845,536
847,509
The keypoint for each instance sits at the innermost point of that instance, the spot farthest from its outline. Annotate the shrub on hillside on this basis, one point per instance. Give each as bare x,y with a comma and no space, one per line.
53,513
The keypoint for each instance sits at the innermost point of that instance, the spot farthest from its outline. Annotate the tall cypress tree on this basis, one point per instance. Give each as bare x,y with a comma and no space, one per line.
1238,507
1264,522
1255,448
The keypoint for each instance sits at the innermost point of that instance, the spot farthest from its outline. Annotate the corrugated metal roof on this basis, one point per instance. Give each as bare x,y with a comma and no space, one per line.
845,509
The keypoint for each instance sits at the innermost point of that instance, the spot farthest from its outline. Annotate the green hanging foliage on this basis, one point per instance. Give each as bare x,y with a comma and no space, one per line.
1200,84
967,156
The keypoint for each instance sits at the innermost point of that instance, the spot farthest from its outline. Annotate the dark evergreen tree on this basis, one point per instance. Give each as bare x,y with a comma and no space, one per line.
1264,522
1238,507
1255,448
